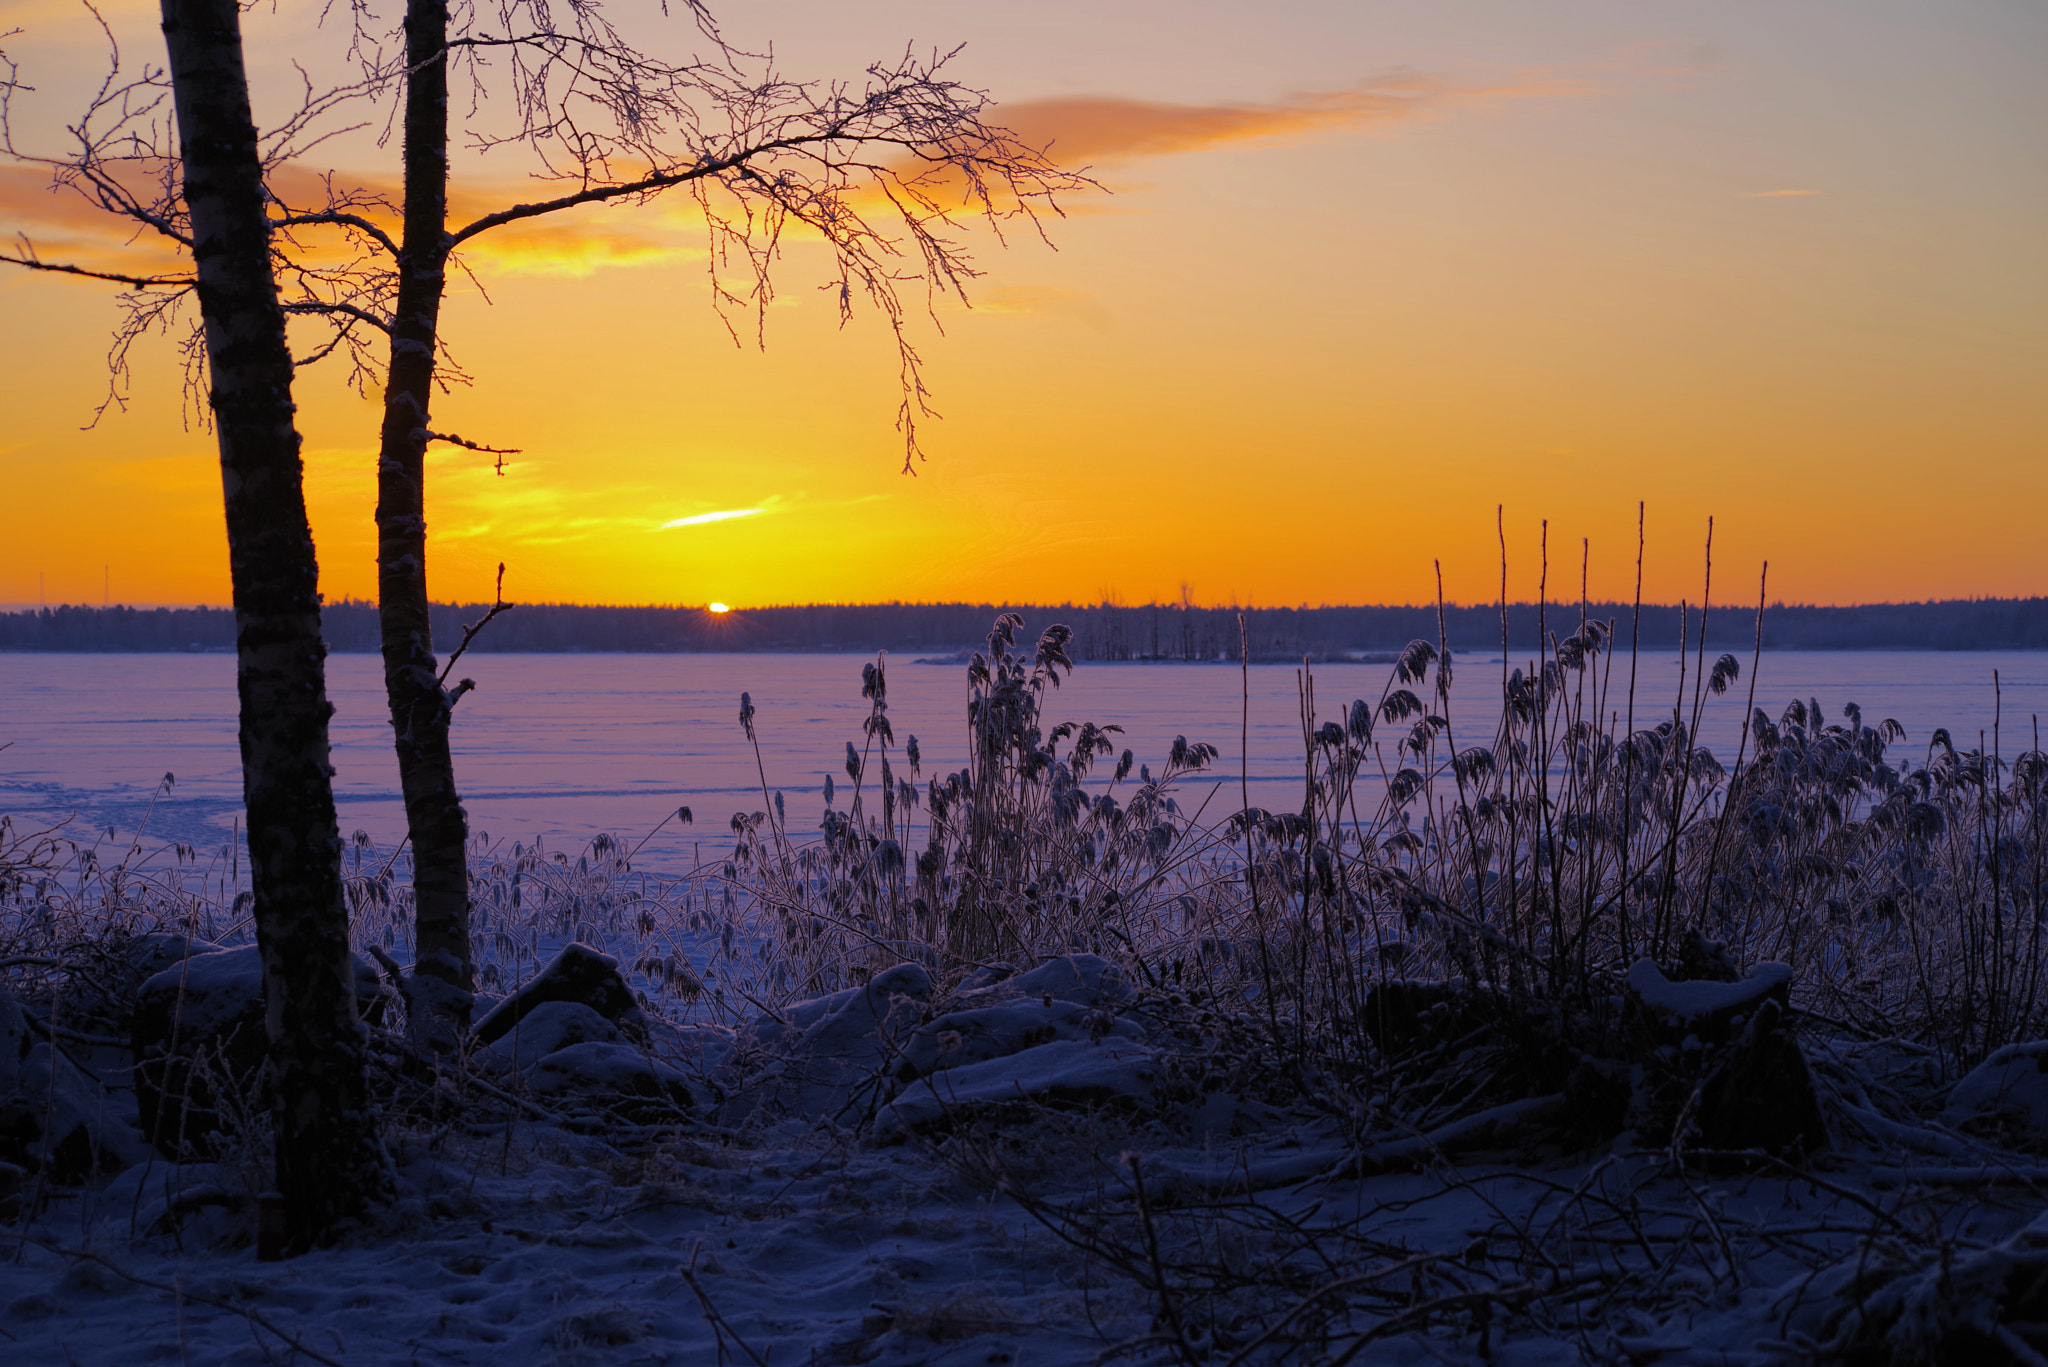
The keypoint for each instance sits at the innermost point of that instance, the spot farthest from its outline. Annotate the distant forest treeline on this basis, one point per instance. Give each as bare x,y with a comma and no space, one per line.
1101,632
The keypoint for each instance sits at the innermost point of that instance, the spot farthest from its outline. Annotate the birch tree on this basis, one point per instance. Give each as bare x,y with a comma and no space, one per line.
212,207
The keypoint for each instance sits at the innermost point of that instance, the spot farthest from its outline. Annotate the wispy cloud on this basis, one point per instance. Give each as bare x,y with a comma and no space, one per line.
1031,301
66,227
576,249
1077,130
700,519
1114,128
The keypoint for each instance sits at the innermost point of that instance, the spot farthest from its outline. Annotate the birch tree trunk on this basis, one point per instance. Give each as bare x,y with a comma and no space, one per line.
439,996
328,1164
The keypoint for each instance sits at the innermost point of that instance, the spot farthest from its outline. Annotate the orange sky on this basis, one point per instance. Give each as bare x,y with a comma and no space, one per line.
1368,271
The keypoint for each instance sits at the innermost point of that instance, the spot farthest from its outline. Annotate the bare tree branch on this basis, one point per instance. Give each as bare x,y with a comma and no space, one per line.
471,632
337,219
141,282
468,445
339,310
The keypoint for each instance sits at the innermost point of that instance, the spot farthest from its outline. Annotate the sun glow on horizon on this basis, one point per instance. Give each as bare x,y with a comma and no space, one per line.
718,607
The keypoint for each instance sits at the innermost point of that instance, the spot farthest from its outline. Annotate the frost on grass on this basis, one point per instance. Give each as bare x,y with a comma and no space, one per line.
1566,1042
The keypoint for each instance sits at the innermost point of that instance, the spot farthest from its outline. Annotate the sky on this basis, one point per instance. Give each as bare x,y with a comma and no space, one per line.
1358,275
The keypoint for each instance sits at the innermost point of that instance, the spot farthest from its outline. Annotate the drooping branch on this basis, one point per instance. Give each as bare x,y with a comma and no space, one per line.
141,282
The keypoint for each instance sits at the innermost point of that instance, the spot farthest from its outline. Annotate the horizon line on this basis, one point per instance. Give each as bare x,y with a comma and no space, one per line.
19,609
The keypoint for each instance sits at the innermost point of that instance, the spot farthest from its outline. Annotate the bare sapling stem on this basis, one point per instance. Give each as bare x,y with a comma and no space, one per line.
1628,754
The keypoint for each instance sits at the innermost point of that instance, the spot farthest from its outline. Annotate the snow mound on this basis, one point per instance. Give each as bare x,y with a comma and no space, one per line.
210,991
545,1029
105,996
600,1067
831,1058
990,1032
59,1116
2006,1094
1083,979
1066,1072
156,1198
198,1027
578,974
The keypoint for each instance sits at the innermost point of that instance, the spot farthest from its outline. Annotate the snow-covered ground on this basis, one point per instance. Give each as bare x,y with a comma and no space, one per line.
553,1248
1074,1188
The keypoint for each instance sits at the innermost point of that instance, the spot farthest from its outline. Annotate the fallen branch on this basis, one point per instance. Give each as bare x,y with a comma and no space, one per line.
720,1326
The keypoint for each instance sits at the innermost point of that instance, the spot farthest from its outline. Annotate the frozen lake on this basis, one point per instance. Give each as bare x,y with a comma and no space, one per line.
565,746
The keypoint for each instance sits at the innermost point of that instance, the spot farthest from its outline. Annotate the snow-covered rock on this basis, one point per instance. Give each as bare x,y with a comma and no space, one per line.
155,1197
54,1114
578,974
208,992
839,1057
1727,1045
1083,979
209,1006
965,1037
58,1117
832,1057
1064,1073
547,1028
2005,1096
1708,1004
104,993
149,955
597,1068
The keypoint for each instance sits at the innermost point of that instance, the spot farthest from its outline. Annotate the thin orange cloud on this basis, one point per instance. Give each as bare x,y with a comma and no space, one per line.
64,226
1075,130
27,197
1035,301
1109,127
